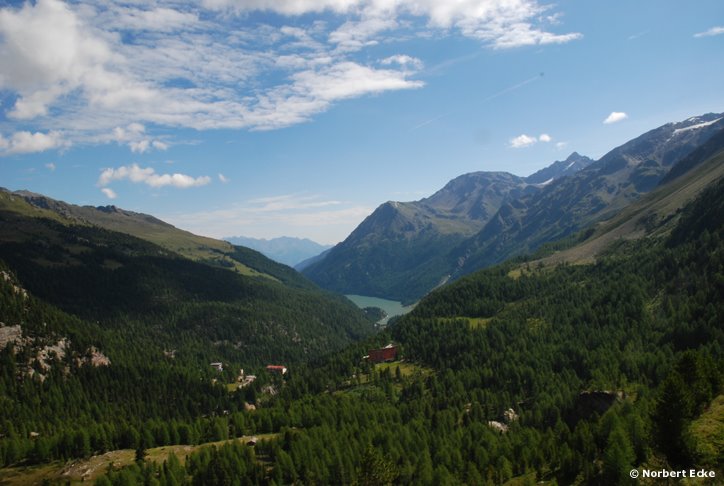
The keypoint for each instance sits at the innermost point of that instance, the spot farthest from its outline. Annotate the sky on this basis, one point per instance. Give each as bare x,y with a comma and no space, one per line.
268,118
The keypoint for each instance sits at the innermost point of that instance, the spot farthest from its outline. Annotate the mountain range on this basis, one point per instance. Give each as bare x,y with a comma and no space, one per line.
405,249
285,249
111,320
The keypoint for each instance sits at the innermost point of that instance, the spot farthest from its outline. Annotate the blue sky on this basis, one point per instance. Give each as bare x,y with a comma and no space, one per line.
266,118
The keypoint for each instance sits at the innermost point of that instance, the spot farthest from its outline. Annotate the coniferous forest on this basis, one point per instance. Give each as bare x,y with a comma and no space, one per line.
567,374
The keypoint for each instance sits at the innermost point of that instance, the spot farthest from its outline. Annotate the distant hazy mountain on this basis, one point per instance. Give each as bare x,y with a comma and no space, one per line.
403,250
285,249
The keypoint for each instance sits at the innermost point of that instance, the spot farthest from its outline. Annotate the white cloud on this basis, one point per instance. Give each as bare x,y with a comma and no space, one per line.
139,147
134,135
25,142
95,67
159,145
561,145
522,141
47,52
223,179
711,32
403,60
499,23
314,90
160,19
615,117
50,166
148,176
109,193
289,202
285,7
526,140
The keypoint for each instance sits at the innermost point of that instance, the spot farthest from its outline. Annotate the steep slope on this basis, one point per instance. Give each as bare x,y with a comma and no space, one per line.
595,193
198,248
403,250
125,282
287,250
678,188
560,168
399,250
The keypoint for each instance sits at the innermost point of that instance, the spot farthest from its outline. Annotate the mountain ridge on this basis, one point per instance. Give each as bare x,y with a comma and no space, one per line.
403,250
284,249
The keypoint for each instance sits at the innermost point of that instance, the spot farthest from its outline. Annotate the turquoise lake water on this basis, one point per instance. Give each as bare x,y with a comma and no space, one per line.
393,308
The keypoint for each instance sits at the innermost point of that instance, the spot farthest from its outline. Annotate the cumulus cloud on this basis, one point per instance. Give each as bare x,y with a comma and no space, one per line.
522,141
48,52
25,142
615,117
526,140
711,32
109,193
136,174
134,135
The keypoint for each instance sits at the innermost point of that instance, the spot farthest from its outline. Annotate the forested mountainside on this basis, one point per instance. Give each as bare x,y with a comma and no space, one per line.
523,373
124,282
105,336
403,250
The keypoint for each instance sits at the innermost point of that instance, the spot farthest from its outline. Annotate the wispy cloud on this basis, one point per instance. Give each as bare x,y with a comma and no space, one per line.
711,32
223,179
615,117
109,193
50,166
322,219
136,174
638,34
102,71
484,100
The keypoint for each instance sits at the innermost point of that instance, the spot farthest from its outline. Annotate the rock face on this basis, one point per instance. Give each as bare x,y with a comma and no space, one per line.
9,334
